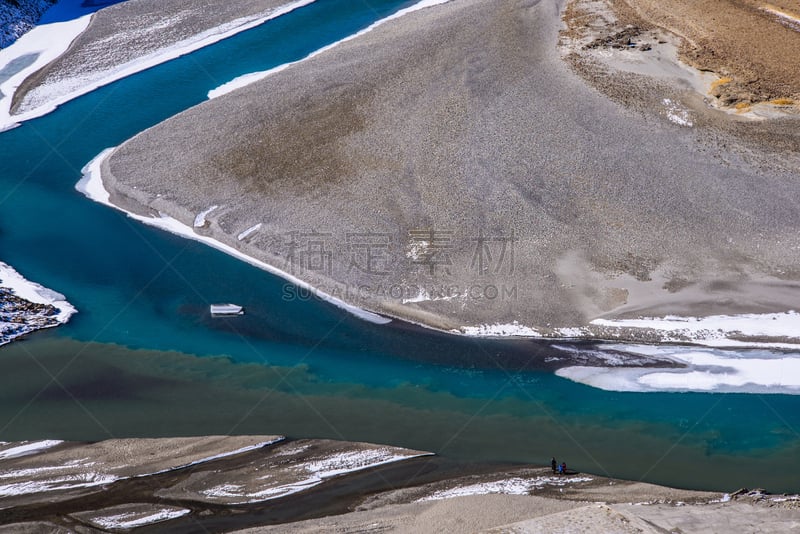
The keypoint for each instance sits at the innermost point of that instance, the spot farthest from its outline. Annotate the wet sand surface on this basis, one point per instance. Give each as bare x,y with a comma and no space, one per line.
439,141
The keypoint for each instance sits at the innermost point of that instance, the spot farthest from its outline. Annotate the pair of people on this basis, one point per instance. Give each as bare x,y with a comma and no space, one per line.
558,469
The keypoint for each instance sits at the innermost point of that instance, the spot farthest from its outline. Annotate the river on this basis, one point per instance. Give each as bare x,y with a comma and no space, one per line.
143,358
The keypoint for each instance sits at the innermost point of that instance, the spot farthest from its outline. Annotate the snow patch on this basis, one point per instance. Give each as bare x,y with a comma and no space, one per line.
511,486
200,221
18,319
217,456
45,42
82,480
128,520
677,114
424,296
715,330
313,473
49,41
498,330
706,370
250,231
28,447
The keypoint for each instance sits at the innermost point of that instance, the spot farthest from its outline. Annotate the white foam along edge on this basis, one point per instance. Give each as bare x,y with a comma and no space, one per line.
91,185
247,79
49,41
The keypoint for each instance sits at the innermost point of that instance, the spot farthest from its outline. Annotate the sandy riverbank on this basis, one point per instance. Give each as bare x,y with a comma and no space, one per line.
223,484
507,195
77,48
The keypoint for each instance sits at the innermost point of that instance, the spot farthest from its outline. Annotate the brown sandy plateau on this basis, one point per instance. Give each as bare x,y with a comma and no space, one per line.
750,44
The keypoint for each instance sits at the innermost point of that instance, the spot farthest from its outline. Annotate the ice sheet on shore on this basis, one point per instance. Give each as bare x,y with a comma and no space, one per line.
49,40
768,330
33,292
27,447
200,221
717,330
247,79
91,185
124,518
93,465
45,42
17,319
305,474
706,370
509,486
500,330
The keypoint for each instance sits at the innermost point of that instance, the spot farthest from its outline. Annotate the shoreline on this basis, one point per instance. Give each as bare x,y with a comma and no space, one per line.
40,307
609,292
46,47
91,185
758,374
656,331
54,49
252,77
316,485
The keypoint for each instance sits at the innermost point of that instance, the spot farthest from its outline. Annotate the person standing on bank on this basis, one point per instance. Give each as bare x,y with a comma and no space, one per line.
554,464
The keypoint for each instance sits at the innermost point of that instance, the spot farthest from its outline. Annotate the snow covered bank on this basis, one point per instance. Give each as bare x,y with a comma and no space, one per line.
718,330
508,486
767,330
705,370
37,48
26,447
303,475
92,186
26,306
253,77
78,466
127,517
49,40
16,18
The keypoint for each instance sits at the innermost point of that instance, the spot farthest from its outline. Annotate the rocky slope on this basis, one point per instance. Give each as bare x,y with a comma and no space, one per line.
27,306
19,16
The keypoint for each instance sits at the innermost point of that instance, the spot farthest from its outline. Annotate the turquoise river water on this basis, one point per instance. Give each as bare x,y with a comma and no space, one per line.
143,358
